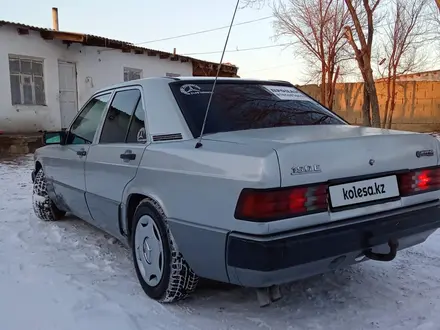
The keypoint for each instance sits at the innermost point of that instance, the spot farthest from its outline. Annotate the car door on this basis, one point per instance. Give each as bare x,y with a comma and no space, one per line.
65,167
113,161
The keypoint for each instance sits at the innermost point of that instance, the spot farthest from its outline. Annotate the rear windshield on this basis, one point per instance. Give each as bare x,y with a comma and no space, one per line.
243,106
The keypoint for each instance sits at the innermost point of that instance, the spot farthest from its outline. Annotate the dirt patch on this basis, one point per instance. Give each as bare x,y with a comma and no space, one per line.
18,159
12,145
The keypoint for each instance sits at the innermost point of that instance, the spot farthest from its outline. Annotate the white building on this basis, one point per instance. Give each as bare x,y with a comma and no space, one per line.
48,74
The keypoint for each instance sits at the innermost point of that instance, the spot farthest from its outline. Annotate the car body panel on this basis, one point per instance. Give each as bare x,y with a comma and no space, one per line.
106,176
276,259
198,188
176,175
64,171
254,278
205,251
203,248
340,151
342,154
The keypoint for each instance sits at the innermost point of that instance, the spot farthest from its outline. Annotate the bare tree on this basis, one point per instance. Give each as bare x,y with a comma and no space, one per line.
316,29
435,20
405,36
254,3
363,54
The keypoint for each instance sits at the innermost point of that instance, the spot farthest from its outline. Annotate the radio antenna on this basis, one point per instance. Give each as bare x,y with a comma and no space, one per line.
199,143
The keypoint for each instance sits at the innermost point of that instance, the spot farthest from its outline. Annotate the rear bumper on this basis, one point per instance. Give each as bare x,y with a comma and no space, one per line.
260,261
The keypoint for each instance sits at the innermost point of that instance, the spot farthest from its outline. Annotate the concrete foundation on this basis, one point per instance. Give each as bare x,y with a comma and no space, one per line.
16,144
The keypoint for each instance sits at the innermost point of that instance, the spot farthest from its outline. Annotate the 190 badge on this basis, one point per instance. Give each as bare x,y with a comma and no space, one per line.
306,169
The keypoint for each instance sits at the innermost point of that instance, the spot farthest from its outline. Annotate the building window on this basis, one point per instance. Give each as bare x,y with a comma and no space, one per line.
169,74
27,80
132,74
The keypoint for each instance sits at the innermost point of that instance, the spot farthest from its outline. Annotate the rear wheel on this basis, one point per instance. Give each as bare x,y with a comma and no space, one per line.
43,206
162,271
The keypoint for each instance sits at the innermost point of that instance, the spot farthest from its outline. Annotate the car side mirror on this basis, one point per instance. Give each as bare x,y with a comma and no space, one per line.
54,137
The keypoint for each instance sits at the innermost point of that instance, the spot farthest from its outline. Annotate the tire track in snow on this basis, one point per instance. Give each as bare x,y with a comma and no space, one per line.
87,279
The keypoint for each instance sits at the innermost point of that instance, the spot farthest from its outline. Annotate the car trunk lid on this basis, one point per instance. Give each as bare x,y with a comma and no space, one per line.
310,154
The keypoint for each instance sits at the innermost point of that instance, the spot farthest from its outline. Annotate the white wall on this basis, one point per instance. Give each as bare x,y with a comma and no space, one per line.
106,67
28,118
95,69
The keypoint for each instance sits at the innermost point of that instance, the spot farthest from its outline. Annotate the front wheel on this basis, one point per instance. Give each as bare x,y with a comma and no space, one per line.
44,207
162,271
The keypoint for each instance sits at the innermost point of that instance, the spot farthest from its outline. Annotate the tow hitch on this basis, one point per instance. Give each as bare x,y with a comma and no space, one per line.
392,243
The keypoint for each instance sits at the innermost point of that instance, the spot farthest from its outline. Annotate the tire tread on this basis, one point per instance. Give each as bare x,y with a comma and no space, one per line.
43,206
183,281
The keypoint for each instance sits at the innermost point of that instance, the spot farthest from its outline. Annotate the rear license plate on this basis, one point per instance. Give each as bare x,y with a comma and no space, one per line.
364,191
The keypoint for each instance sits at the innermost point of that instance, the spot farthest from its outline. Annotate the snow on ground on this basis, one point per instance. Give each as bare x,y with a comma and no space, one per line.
68,275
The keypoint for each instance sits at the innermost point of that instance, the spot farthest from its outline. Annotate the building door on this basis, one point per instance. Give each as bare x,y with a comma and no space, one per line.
68,94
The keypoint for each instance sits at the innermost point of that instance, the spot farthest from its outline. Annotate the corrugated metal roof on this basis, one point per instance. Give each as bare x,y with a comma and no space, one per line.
93,40
31,27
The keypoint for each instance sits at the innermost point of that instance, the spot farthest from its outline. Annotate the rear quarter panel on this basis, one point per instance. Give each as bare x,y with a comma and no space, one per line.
198,190
201,186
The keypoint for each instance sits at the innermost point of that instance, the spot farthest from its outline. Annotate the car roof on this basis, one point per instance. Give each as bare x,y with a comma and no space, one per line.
190,79
234,79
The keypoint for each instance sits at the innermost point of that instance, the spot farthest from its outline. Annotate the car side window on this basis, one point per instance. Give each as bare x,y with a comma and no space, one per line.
137,132
118,116
85,125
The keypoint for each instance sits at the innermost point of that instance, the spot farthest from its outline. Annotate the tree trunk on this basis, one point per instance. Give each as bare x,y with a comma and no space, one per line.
323,76
375,114
332,88
387,103
328,89
393,101
366,119
374,102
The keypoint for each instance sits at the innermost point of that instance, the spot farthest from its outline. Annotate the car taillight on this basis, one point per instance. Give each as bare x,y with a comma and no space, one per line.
419,181
275,204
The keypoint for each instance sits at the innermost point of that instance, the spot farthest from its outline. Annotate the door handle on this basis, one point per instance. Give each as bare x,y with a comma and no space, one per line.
81,152
128,155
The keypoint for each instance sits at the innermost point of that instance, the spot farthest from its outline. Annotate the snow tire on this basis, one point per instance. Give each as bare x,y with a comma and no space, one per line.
178,280
43,206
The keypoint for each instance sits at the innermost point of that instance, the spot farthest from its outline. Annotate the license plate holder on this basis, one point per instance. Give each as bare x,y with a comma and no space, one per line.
364,191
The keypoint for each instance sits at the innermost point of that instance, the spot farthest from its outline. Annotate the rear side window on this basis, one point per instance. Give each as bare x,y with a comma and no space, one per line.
243,106
118,116
136,132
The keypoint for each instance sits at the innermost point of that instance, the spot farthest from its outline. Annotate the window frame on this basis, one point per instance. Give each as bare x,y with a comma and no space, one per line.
129,69
147,136
104,113
192,125
32,76
101,126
